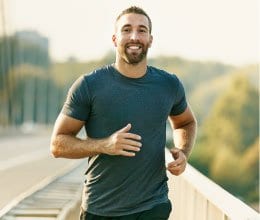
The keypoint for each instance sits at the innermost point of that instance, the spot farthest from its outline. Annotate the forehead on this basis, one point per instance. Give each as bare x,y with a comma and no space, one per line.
133,20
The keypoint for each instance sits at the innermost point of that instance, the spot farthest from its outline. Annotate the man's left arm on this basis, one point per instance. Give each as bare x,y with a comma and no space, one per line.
184,128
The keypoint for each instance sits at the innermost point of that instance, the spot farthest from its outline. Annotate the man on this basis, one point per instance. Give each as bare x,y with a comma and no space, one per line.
124,108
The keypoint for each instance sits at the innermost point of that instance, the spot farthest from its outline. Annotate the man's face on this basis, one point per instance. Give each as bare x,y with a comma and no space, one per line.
132,38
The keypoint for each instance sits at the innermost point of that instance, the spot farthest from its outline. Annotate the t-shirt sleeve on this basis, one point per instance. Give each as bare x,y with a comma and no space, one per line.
180,102
77,104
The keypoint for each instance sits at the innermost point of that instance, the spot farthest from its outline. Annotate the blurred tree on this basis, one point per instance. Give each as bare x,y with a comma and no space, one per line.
234,119
250,165
226,170
223,150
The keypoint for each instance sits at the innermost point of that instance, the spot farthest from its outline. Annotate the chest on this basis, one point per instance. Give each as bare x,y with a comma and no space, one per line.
150,103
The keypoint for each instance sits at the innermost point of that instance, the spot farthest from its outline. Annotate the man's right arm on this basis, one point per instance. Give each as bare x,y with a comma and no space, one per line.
64,142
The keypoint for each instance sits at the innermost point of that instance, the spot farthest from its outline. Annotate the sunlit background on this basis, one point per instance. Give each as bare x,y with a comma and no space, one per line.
212,45
220,30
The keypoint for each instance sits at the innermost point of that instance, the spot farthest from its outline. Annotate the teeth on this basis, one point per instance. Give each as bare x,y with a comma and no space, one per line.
134,47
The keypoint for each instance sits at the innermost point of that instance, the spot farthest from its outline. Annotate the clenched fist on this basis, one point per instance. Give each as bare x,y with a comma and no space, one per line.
178,166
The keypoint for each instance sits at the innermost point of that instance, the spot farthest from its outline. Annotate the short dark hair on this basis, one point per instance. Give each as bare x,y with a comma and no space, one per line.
136,10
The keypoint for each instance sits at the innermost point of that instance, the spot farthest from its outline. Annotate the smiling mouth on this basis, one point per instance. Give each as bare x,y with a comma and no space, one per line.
134,47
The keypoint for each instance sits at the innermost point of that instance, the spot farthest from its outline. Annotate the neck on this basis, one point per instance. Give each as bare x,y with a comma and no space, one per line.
131,70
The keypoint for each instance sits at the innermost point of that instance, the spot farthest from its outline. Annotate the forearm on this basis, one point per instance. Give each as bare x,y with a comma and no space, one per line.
184,137
69,146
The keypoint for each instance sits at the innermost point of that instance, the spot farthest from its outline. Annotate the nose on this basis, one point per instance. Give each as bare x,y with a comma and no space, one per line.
134,35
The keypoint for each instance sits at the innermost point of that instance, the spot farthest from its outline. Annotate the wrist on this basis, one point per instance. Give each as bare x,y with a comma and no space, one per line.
95,146
102,146
185,152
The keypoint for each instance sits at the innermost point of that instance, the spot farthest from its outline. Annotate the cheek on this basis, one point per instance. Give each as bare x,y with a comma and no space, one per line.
121,42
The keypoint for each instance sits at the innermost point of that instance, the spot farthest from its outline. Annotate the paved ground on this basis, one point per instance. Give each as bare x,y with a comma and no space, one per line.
25,161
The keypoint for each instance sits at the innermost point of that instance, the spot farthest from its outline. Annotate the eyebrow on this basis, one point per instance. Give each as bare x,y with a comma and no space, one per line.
141,26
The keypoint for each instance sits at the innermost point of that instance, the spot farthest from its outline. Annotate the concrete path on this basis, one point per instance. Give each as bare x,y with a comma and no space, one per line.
25,161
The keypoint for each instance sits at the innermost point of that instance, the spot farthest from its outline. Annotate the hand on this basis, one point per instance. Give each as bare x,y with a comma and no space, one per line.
122,142
178,166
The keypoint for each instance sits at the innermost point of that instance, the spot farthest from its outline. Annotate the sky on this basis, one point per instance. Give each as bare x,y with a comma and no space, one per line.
205,30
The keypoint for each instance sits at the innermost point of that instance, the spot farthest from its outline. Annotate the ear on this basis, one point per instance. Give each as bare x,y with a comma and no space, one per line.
150,41
114,40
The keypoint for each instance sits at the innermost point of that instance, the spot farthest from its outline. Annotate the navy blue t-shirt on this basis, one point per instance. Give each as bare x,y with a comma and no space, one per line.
107,101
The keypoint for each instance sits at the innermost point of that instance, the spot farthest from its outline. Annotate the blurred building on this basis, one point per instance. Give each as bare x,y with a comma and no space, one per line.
33,37
24,78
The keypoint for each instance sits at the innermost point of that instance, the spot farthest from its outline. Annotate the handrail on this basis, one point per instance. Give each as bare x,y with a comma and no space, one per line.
231,208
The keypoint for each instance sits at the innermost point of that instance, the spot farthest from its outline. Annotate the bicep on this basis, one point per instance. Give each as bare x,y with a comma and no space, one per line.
67,125
182,119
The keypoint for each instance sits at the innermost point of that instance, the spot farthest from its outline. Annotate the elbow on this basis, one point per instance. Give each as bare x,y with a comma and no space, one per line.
54,152
55,148
193,122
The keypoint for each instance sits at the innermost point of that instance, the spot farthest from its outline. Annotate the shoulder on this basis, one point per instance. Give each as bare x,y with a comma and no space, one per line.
85,80
96,76
164,75
98,73
97,79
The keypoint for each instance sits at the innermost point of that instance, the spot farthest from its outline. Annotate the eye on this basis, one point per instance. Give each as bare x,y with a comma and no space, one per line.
142,30
126,30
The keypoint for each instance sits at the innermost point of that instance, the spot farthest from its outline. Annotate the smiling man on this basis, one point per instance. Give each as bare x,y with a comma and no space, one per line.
132,46
124,108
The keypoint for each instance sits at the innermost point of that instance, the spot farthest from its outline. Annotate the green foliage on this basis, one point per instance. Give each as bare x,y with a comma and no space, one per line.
238,173
207,92
202,156
250,164
203,97
226,169
227,150
234,119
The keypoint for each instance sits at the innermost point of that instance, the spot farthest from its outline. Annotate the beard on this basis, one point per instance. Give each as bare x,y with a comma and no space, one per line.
134,57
